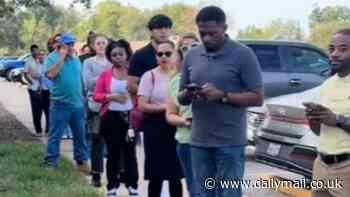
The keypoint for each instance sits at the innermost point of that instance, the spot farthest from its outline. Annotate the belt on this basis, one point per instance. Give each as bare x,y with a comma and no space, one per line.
332,159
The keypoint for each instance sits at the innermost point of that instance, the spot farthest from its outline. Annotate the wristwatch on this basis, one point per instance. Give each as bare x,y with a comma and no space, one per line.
340,119
224,99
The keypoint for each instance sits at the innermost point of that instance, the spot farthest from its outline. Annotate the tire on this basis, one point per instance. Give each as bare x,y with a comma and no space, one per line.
22,79
8,75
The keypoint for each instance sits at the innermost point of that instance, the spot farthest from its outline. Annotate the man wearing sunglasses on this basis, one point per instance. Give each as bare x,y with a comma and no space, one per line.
144,59
220,78
66,103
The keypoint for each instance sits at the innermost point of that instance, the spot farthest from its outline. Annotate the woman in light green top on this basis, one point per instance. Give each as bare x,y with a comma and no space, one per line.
181,116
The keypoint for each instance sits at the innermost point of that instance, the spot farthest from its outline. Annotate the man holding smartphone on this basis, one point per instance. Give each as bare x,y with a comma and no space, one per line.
220,78
66,102
330,119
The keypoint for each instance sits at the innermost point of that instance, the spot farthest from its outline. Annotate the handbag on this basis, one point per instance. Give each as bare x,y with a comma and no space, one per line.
136,115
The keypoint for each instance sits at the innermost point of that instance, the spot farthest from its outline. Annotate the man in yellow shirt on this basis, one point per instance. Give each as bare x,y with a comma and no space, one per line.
330,119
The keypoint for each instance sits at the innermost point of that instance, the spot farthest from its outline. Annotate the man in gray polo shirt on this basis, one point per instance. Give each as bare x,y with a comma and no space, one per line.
228,79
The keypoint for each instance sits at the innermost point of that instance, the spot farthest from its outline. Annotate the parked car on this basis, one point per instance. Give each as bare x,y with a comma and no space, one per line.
17,75
8,65
5,58
285,139
287,67
290,67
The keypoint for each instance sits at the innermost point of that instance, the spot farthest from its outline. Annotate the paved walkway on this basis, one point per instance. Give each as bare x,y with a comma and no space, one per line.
15,99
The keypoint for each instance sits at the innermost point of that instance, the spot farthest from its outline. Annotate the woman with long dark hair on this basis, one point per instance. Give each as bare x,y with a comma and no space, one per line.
111,91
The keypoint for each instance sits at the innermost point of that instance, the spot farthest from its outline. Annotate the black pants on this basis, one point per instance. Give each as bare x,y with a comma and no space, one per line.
155,188
129,174
97,151
40,103
114,129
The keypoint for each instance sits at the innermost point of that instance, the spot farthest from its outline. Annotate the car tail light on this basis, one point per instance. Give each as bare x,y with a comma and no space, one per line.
293,120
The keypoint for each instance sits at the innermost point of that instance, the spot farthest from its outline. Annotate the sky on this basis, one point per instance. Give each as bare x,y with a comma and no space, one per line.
242,13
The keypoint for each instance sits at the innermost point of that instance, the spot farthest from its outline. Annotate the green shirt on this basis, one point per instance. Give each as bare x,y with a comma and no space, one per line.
67,85
182,133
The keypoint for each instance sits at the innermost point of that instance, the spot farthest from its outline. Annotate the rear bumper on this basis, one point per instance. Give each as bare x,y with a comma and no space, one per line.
294,158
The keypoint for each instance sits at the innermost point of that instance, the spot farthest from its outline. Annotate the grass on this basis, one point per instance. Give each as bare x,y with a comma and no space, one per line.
21,175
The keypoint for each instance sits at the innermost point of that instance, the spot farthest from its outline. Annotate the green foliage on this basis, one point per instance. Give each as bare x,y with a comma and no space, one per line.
277,30
22,174
324,22
329,14
39,21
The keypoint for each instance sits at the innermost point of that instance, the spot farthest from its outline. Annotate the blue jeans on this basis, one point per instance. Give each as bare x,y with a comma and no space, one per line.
218,164
184,153
62,116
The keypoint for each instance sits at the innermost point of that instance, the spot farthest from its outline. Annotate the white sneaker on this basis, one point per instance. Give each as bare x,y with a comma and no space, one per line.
112,193
133,192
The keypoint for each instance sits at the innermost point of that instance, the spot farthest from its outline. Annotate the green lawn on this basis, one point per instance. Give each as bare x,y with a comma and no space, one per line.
21,175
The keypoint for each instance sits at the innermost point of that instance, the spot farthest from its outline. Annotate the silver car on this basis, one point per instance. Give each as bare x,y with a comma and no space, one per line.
285,139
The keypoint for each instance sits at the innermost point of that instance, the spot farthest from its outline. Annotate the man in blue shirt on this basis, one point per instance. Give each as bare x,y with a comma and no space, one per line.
221,78
66,100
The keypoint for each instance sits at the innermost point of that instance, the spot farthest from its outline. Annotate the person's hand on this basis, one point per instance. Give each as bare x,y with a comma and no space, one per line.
321,114
63,52
35,76
187,122
118,98
210,92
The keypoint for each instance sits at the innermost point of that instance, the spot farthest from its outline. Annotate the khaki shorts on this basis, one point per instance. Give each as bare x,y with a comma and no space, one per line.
328,174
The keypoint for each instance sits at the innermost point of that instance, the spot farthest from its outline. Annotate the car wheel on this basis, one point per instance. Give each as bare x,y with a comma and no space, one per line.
8,75
22,79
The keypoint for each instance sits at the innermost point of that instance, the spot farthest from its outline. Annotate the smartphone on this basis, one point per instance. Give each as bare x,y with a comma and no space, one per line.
313,106
193,87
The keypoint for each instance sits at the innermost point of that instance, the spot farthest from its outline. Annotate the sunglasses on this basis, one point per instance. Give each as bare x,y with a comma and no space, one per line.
167,54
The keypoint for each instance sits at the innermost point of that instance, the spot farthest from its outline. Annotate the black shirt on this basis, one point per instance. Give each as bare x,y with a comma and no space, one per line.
143,60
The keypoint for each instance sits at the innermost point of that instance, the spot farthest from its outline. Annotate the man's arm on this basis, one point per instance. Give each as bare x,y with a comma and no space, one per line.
53,71
133,84
252,82
185,97
245,99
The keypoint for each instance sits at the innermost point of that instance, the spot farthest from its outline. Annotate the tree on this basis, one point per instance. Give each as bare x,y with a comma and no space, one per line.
183,17
8,8
276,30
324,22
321,34
329,14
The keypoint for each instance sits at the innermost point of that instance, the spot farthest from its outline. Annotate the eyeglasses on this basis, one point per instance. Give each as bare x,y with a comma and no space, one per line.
166,53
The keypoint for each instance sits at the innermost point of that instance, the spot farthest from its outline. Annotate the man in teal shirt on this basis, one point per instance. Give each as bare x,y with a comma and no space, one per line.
66,103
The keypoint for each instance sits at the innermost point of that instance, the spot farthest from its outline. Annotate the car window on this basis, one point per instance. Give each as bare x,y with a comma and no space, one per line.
305,60
268,57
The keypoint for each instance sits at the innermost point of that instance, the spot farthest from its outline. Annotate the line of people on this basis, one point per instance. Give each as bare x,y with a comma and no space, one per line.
193,97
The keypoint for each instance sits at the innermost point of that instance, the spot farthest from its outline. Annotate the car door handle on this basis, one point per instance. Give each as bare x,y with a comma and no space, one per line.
295,82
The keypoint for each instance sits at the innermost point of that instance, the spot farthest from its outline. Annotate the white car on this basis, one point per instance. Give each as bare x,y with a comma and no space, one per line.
284,138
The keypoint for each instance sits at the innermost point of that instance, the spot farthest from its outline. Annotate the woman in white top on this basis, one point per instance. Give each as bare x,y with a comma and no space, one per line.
111,91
